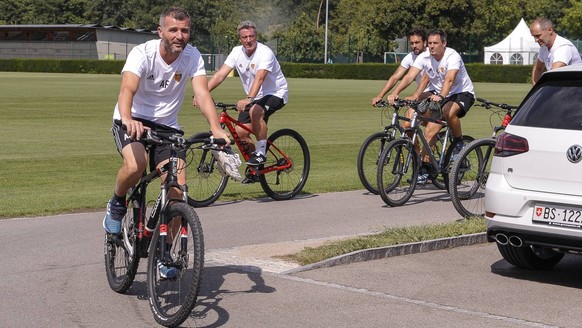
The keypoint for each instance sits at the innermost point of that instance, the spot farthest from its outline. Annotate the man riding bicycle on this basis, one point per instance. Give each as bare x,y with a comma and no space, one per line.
263,82
450,86
152,90
417,42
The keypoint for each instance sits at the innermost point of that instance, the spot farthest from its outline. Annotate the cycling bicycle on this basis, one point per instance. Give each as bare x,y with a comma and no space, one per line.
373,145
474,164
400,163
282,177
170,236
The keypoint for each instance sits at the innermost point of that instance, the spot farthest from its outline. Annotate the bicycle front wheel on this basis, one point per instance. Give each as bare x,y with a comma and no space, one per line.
471,170
368,159
447,163
397,172
172,299
286,147
205,182
121,253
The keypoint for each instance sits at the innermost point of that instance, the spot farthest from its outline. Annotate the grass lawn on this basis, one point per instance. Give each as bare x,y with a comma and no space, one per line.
58,154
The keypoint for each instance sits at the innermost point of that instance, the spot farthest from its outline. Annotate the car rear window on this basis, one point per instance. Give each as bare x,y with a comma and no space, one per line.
554,105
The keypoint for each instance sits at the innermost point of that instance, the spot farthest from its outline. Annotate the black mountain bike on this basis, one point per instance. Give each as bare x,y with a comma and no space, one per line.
474,164
373,145
399,163
170,235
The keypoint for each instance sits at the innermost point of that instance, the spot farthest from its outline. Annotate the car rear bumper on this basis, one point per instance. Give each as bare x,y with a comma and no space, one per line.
510,217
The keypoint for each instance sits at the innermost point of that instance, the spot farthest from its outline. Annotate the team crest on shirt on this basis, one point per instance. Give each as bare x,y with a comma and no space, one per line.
441,69
178,76
252,65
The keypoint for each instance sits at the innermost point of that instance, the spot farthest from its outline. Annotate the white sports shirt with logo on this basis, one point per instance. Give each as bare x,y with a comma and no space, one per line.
161,90
562,51
408,61
437,70
263,58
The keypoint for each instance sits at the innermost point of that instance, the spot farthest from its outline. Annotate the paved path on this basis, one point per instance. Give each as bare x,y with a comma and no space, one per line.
53,273
252,232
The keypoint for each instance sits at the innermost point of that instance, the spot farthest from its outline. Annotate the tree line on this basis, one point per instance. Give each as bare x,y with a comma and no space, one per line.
297,27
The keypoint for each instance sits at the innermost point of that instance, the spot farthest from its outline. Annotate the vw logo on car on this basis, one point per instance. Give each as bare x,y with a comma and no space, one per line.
574,154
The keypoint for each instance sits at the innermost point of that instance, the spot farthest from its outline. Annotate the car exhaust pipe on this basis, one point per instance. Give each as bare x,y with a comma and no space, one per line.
515,241
501,239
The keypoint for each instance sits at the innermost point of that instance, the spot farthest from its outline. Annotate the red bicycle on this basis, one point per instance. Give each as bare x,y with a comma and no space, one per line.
282,177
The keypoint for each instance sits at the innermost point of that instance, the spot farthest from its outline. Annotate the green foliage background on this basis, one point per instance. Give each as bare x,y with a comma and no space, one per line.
296,28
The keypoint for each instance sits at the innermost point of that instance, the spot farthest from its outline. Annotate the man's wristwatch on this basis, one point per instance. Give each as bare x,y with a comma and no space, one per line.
251,98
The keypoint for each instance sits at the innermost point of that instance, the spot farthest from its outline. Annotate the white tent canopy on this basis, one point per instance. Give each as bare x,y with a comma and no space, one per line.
518,48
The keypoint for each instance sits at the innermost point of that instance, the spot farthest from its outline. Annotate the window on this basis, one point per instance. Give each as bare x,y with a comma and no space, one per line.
516,59
555,105
496,59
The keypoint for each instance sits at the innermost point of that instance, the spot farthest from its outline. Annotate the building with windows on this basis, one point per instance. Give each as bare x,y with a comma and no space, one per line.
70,41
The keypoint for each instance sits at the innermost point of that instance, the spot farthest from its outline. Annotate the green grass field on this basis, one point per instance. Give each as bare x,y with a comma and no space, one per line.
58,154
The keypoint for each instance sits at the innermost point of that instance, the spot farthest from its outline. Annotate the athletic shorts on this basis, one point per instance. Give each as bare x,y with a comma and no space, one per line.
158,153
270,103
464,99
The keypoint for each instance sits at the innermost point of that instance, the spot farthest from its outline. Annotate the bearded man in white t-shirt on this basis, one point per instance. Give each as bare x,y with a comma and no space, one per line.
417,43
264,84
153,86
555,51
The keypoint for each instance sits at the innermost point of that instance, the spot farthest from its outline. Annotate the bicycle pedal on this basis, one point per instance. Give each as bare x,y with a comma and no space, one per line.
250,180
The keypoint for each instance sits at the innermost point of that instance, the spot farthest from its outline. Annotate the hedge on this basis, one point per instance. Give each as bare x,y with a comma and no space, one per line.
374,71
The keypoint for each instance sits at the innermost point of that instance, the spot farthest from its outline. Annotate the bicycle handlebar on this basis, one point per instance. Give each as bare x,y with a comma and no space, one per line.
398,103
225,106
178,140
487,104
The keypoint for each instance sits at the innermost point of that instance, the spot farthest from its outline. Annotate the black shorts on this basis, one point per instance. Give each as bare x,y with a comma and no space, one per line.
464,99
157,154
270,103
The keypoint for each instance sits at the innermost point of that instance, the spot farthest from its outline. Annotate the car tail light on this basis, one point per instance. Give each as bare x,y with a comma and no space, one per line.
509,145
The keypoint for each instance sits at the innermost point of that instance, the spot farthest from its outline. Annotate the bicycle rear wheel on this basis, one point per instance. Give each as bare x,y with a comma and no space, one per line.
172,300
397,172
205,182
471,170
121,253
286,145
368,158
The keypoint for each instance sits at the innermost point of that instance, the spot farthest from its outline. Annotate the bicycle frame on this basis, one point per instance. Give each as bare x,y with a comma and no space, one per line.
157,216
417,133
284,161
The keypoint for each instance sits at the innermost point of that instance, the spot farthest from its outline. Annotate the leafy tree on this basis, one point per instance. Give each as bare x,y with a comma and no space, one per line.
298,28
571,22
11,12
302,41
109,12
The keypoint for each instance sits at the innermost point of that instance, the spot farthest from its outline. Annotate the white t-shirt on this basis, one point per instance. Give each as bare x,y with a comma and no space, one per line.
437,70
407,62
161,89
562,51
263,58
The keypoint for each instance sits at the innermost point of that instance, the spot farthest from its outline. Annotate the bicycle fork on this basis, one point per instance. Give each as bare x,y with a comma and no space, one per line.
166,231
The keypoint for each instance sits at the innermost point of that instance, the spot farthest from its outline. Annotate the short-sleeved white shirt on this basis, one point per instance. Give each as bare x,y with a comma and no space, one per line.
263,58
408,61
437,70
161,89
562,51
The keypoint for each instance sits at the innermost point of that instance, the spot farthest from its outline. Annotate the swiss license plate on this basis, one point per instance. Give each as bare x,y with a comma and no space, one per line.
558,215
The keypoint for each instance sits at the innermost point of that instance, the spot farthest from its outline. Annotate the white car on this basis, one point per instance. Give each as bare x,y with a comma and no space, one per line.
533,196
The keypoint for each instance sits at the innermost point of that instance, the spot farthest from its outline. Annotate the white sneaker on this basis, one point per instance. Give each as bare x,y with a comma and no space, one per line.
228,163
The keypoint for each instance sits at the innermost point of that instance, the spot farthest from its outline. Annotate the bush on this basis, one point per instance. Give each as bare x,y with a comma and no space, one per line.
478,72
